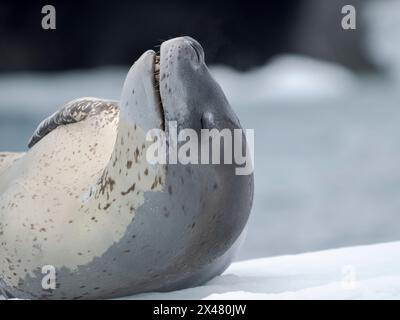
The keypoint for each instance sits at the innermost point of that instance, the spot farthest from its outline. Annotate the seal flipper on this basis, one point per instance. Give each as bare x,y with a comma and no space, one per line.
74,111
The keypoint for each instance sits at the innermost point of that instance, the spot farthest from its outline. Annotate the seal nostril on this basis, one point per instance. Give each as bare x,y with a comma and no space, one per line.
198,49
197,53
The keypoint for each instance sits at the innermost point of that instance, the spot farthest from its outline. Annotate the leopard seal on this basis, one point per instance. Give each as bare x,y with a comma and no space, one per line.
85,200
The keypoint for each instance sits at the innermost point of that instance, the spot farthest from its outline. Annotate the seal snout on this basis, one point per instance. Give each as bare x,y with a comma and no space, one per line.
182,49
185,82
197,48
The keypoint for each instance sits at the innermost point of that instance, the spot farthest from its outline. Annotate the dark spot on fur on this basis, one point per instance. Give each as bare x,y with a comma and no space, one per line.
154,183
106,182
131,189
129,164
136,154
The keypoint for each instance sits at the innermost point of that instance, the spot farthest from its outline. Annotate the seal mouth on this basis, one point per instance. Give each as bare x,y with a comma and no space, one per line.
157,88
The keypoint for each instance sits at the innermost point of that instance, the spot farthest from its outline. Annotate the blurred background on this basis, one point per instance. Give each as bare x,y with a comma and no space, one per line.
324,101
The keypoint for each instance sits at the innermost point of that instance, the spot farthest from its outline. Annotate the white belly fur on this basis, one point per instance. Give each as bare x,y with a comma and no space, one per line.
61,204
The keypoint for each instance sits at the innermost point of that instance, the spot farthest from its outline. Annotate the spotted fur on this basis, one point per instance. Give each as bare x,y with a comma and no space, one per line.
78,190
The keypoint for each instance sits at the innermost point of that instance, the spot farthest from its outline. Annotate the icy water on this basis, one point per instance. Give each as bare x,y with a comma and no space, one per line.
327,175
15,131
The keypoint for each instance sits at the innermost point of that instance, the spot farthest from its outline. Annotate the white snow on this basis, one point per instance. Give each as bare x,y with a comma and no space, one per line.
365,272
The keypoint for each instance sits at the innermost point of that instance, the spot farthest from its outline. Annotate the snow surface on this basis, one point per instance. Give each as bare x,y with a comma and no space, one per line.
365,272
